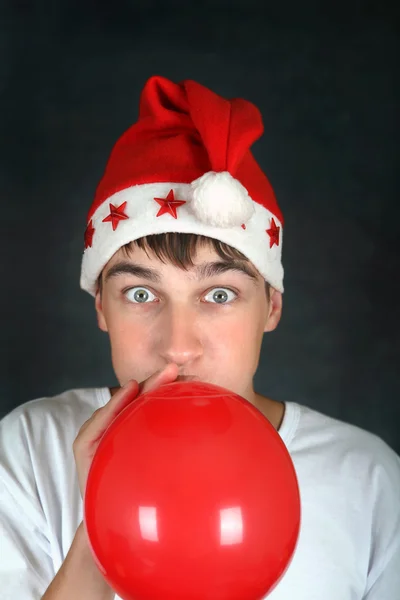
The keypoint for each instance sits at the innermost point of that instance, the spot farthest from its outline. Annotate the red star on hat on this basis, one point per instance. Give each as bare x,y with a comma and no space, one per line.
116,215
89,235
169,205
273,233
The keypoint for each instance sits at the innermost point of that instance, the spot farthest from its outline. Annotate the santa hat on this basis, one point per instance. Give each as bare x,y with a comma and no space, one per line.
186,166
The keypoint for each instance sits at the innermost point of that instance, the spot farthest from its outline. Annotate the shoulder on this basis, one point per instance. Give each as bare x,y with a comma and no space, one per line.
44,426
343,440
360,472
69,407
355,459
36,439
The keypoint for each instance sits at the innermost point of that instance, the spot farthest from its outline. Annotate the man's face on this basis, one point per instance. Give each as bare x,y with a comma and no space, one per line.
209,323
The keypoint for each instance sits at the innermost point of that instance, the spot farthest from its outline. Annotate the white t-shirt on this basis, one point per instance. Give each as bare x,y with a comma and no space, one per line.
349,543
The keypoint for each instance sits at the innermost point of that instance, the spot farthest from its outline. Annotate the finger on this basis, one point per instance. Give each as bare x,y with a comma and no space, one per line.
167,375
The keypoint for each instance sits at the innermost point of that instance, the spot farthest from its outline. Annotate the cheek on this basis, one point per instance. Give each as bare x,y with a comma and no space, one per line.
129,339
128,334
238,341
131,349
234,356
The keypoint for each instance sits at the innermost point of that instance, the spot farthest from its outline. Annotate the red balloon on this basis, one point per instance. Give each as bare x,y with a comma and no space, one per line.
192,495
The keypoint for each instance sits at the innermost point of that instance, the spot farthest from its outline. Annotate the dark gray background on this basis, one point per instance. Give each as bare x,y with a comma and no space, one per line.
325,81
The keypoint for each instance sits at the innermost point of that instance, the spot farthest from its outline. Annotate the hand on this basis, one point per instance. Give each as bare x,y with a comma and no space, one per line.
91,432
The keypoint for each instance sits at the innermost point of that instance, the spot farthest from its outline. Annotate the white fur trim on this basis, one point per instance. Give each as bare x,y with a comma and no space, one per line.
220,200
142,209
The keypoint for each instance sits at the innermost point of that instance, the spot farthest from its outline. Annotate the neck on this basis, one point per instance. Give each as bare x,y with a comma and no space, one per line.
272,410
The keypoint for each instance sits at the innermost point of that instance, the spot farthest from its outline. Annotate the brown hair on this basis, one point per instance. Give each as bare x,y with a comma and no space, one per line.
180,249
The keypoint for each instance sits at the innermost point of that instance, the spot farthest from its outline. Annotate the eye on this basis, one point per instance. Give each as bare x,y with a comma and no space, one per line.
139,295
221,295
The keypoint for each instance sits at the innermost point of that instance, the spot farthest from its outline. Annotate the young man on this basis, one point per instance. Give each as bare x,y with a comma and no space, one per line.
183,257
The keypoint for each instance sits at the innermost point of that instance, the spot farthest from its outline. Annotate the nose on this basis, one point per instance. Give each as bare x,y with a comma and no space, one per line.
179,340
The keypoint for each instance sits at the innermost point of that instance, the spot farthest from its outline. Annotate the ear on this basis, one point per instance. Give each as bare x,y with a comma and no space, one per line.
274,310
101,320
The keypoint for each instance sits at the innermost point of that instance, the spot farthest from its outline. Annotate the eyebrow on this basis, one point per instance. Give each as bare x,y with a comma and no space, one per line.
202,271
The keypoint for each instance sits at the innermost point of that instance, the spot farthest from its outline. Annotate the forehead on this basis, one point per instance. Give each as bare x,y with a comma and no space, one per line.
201,254
206,263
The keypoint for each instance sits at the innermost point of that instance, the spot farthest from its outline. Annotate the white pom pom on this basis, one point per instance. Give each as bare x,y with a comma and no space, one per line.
220,200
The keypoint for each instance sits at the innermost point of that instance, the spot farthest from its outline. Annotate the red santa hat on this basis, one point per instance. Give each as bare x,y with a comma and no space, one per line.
186,166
